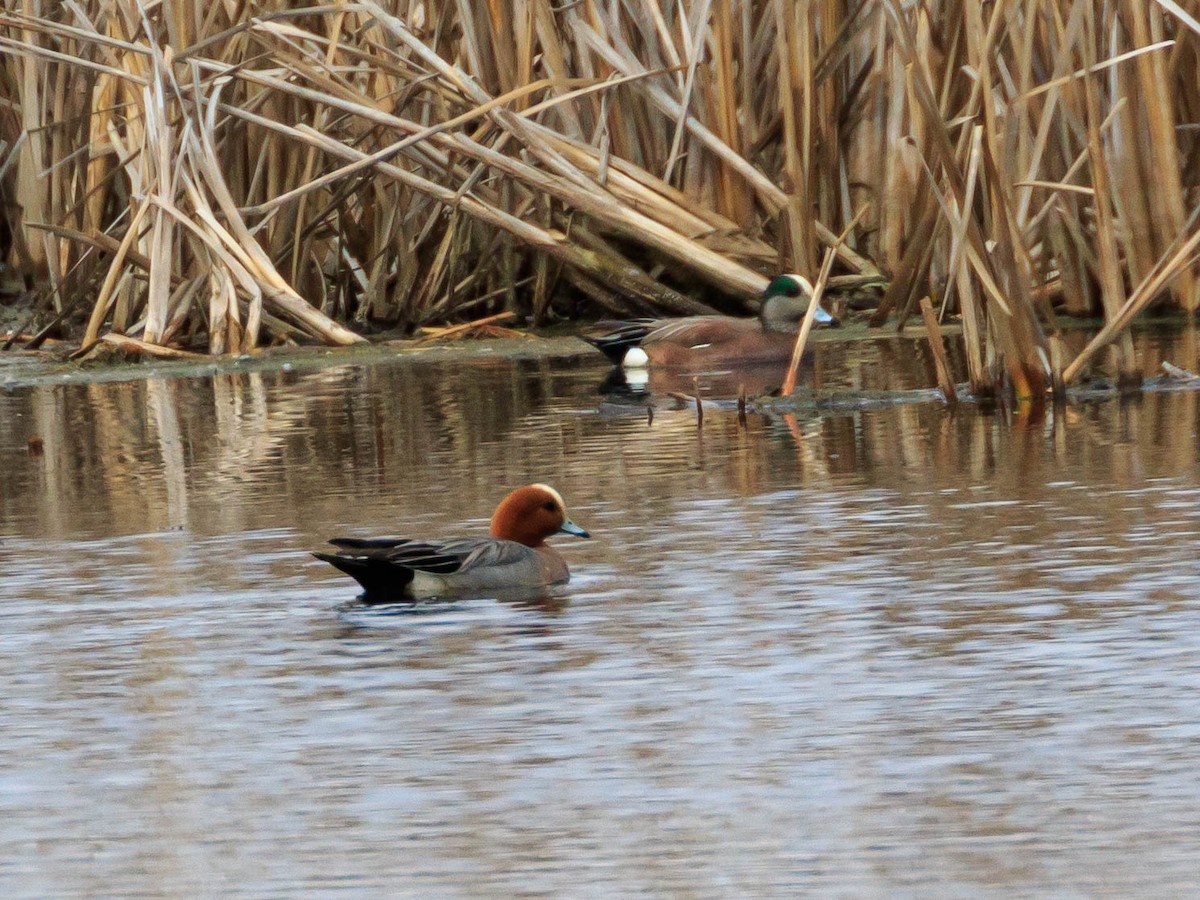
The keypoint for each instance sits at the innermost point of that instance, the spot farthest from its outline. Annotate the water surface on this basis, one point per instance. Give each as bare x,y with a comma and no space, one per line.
899,650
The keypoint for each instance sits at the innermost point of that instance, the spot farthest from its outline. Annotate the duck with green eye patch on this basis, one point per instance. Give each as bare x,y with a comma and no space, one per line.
695,342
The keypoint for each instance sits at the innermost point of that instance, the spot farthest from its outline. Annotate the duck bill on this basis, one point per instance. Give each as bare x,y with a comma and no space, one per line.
825,318
569,527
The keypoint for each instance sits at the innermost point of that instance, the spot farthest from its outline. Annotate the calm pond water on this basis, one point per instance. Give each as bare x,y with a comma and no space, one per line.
897,651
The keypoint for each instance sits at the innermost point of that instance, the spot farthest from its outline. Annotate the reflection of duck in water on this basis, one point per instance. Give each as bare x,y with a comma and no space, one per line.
704,343
635,386
514,556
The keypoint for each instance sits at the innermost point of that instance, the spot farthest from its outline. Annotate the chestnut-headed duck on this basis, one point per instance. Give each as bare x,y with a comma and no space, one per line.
515,556
708,341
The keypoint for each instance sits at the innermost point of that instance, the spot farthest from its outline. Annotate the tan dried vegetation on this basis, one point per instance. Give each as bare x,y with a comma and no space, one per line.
220,175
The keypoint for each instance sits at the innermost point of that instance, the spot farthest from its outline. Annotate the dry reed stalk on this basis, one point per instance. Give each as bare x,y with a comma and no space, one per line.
794,101
1003,148
970,306
574,189
1179,259
815,292
464,329
1112,286
941,366
146,348
769,192
546,241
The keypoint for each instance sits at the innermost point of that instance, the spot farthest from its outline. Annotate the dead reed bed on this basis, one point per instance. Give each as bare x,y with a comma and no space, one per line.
217,176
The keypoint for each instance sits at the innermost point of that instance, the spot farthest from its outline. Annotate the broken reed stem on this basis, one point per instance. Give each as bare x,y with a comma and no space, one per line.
692,400
815,294
453,331
934,333
789,380
1166,269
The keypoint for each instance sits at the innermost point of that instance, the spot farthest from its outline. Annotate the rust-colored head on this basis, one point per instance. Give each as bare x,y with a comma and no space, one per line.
531,514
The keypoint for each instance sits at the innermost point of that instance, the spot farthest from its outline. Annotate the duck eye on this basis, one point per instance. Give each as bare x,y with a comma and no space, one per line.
549,506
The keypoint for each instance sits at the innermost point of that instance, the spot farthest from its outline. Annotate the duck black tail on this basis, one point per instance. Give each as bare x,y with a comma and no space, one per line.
614,339
380,582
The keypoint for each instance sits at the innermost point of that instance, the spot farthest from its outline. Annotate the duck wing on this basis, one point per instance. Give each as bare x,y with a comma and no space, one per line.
701,331
388,565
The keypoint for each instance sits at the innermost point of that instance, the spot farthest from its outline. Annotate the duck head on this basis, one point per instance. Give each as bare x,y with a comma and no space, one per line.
531,514
785,301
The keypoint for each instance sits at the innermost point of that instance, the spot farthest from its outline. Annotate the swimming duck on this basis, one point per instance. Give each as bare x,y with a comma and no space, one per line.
713,340
515,556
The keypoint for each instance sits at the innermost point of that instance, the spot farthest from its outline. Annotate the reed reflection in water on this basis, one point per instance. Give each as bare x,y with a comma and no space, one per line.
887,649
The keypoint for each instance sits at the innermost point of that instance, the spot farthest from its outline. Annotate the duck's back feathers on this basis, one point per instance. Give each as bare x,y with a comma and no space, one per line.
439,557
695,332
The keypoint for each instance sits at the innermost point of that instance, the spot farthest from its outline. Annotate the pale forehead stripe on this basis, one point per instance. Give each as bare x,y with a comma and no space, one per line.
553,493
804,283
